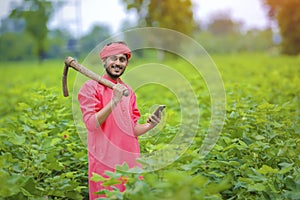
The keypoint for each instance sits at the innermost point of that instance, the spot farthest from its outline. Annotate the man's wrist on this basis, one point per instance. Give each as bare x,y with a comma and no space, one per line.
114,102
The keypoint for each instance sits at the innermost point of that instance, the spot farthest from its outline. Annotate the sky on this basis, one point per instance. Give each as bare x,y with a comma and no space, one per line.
113,12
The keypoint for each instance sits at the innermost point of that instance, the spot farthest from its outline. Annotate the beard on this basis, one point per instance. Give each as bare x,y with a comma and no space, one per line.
113,76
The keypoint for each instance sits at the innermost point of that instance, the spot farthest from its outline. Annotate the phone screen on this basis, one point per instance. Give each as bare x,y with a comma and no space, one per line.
160,108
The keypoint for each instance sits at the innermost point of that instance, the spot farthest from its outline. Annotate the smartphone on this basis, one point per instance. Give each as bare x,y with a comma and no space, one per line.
159,109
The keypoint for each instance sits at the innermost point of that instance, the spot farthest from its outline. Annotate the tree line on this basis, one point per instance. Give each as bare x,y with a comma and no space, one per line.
25,34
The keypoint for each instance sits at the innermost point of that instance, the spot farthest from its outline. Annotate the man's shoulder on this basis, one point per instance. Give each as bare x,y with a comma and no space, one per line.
92,83
89,86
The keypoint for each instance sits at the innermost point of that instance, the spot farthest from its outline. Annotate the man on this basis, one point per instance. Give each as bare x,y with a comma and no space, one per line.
111,118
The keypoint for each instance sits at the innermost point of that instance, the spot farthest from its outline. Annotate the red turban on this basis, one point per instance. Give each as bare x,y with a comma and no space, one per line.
114,49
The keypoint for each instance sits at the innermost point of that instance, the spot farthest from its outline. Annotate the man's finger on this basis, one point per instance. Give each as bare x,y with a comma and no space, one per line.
154,119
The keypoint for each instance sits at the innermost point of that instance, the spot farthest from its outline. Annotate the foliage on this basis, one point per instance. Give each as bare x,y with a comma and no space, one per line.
222,24
250,41
222,35
19,46
166,184
15,46
40,155
99,33
48,157
165,14
155,13
288,16
256,157
36,14
58,44
161,14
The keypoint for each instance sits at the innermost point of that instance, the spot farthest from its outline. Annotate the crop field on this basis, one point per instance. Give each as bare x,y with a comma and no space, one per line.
256,155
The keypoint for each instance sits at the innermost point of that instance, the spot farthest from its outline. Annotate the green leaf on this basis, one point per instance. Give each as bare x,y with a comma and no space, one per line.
259,137
136,170
122,168
55,165
13,183
23,106
115,175
257,187
265,169
97,178
246,180
234,163
286,167
30,188
17,139
111,181
55,141
102,192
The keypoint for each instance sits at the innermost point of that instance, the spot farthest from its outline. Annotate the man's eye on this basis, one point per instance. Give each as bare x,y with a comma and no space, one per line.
122,59
113,58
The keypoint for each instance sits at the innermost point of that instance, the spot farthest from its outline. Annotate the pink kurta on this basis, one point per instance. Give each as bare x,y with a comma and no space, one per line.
113,143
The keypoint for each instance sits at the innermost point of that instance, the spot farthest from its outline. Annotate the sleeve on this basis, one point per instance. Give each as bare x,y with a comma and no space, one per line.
90,104
135,111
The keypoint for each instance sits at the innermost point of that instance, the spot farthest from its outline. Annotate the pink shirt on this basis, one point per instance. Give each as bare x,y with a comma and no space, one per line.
114,142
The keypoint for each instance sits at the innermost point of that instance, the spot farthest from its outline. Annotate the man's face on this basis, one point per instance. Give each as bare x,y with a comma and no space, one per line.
115,65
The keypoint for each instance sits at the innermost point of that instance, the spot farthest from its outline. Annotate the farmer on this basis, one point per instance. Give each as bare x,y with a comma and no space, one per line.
111,118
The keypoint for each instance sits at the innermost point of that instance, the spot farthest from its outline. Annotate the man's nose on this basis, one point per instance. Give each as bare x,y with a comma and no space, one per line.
118,62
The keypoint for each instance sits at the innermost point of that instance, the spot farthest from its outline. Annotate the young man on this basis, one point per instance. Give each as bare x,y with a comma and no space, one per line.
111,118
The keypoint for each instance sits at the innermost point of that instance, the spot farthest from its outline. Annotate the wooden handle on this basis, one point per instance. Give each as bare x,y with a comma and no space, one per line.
69,61
64,81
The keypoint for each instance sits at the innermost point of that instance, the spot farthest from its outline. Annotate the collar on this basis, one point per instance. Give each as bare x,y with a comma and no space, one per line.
112,80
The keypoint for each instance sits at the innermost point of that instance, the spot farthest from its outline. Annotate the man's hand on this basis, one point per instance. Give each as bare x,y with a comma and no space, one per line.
102,115
153,120
118,91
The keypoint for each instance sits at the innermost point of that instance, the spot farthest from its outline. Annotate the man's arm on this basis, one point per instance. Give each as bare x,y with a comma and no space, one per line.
102,114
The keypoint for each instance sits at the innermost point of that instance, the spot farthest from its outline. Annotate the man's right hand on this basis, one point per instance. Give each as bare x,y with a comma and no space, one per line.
118,91
102,114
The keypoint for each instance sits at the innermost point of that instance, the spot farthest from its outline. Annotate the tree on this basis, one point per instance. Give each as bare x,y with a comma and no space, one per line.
287,15
222,24
176,15
36,14
99,33
57,43
15,46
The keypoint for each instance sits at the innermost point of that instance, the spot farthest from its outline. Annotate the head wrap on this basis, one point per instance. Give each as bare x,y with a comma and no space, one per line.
114,49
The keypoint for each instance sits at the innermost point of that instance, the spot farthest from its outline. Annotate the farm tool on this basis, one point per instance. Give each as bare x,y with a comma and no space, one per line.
71,62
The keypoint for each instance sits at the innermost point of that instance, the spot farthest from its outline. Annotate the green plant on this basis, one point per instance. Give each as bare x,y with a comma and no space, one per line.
256,156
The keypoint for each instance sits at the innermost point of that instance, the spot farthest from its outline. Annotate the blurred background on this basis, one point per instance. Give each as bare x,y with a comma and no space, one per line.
46,29
254,43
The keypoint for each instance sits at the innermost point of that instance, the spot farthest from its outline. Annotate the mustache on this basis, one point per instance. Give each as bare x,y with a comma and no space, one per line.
113,66
112,75
116,66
